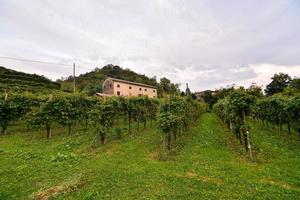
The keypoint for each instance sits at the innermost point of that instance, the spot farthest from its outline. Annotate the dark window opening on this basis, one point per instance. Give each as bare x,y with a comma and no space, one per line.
153,90
145,89
118,85
118,93
140,89
140,95
129,87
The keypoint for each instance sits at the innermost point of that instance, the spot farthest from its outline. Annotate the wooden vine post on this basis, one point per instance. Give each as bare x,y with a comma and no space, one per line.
5,96
48,124
5,99
247,136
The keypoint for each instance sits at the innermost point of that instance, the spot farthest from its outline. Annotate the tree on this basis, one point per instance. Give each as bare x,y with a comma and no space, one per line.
175,88
223,92
295,83
278,83
255,90
166,87
209,98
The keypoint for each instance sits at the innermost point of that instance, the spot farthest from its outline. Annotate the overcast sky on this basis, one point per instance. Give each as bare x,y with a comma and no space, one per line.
207,43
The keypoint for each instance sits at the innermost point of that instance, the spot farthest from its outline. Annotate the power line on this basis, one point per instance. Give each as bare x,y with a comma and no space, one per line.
83,67
43,62
35,61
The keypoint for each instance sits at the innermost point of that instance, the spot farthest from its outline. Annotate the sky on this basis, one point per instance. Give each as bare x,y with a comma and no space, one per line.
206,43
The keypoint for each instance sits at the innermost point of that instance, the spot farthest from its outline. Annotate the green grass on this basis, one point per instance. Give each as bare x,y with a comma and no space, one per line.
210,164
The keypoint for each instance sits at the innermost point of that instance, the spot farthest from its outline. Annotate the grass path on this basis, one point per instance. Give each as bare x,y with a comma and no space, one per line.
210,165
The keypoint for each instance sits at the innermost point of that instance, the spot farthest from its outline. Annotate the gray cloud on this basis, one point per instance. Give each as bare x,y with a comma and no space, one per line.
207,43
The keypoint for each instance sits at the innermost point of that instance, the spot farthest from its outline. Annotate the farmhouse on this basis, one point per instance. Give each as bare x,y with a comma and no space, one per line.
118,87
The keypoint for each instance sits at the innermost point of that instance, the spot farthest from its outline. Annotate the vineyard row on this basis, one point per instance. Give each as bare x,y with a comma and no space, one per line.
173,114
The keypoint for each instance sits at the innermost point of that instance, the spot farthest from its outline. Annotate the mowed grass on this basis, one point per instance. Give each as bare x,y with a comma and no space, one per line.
209,163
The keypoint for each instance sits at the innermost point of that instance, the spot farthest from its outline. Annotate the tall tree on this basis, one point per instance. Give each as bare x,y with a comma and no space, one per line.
278,83
166,87
255,90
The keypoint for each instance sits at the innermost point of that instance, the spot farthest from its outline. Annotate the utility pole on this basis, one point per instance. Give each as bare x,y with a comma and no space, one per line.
74,78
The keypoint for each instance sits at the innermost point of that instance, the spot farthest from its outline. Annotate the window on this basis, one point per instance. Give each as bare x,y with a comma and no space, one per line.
118,93
140,89
118,85
130,87
153,90
145,90
110,85
140,95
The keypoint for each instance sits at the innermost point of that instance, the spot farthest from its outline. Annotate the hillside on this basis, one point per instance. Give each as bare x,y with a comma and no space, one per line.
91,82
11,80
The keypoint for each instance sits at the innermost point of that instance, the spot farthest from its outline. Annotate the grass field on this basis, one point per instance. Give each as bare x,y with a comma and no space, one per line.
208,164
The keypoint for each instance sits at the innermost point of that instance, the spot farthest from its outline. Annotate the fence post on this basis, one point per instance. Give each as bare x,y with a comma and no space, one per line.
247,136
5,99
249,145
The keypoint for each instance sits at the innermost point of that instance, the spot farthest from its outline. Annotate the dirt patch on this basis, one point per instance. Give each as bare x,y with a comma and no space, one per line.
208,179
161,155
109,152
191,174
153,156
205,179
280,184
65,187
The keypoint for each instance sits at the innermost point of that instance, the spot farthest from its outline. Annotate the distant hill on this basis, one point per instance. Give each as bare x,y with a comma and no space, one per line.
91,82
11,80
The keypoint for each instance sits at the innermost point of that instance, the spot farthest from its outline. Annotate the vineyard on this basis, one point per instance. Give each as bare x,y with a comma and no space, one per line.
238,108
105,116
72,146
18,81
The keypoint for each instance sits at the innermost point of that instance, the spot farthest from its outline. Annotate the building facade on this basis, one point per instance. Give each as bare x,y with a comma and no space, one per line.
118,87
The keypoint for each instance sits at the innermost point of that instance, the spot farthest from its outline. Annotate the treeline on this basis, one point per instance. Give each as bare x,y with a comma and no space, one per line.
104,115
11,80
280,83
